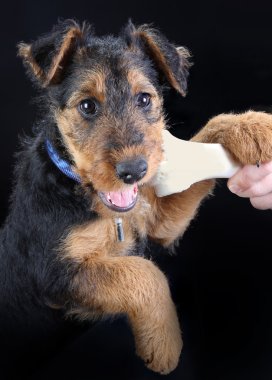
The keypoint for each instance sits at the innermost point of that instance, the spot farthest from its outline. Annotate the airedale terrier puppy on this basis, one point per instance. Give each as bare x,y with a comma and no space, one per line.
83,205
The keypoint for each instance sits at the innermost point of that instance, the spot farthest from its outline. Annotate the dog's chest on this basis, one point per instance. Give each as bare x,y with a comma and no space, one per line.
101,237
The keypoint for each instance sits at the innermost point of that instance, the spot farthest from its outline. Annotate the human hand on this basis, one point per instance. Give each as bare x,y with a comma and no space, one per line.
255,183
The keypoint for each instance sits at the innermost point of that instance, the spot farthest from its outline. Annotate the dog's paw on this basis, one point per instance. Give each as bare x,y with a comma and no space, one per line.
159,344
248,136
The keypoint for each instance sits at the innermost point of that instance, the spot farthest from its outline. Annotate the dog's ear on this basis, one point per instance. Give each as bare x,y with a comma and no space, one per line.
171,61
47,58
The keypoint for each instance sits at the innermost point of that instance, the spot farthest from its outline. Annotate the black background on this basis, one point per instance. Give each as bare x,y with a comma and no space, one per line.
221,278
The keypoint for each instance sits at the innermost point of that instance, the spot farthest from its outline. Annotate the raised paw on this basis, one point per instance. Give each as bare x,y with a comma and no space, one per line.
158,341
247,136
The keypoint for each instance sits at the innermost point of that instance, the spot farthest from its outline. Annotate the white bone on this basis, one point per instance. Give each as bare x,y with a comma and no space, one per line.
187,162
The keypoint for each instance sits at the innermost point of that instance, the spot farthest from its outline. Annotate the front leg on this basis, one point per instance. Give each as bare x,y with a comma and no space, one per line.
105,284
248,137
171,215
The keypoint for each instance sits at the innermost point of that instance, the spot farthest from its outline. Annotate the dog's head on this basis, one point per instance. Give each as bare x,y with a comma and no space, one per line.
105,97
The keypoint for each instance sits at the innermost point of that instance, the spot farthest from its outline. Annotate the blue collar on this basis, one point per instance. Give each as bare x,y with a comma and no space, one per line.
61,164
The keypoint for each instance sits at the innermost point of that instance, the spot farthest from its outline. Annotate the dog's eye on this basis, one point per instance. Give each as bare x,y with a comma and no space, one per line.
143,99
87,107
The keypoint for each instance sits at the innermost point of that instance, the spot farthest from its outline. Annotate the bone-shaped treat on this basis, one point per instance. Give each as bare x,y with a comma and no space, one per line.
187,162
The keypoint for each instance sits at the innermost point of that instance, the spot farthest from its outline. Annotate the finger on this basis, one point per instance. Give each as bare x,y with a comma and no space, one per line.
262,203
257,189
247,176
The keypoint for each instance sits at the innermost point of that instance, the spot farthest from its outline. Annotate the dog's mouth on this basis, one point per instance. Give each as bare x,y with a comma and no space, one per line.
120,201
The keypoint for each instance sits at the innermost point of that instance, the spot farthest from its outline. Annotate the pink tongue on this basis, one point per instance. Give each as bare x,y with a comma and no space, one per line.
123,198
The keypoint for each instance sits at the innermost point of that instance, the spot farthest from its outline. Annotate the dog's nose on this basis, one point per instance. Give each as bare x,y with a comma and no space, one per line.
131,171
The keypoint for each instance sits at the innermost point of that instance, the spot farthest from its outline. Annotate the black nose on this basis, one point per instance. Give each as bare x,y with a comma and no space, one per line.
131,171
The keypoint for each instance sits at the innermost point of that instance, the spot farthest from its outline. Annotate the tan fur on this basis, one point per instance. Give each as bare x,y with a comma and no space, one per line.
247,136
83,243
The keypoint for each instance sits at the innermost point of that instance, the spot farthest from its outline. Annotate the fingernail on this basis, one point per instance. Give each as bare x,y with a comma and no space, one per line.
235,189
